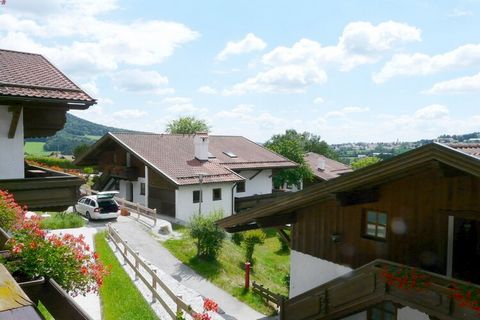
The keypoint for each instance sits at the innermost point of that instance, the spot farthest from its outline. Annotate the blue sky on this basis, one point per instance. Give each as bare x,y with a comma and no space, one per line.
346,70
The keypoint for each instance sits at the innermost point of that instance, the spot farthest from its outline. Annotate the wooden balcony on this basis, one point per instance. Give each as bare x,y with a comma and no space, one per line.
365,287
44,189
123,172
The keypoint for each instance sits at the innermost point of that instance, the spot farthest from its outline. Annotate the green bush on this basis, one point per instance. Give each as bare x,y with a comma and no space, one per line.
62,220
237,238
283,243
208,235
250,239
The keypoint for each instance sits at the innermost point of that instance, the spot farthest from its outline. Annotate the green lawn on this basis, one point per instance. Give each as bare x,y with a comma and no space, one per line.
62,220
228,272
35,148
120,298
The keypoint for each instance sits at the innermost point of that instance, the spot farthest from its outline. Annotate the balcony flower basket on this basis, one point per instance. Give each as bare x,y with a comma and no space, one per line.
33,254
466,296
405,278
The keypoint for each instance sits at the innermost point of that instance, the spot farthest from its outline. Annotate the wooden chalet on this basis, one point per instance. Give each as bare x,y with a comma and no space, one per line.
34,98
420,209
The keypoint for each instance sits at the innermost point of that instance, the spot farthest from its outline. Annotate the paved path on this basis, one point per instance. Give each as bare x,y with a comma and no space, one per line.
141,240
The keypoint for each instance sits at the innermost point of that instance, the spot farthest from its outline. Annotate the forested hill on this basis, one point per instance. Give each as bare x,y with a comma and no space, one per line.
76,131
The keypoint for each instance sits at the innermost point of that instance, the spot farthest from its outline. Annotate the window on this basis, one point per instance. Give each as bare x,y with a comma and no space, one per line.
196,196
217,194
382,311
375,225
241,186
230,154
142,189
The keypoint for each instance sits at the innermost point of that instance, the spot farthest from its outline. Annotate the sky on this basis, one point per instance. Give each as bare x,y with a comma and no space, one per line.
348,71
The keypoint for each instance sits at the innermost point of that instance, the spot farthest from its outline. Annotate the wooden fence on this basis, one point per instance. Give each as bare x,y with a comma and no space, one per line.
133,207
268,295
133,259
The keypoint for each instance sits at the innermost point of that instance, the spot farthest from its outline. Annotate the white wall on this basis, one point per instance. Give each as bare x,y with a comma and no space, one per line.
11,150
308,272
185,207
261,184
408,313
137,198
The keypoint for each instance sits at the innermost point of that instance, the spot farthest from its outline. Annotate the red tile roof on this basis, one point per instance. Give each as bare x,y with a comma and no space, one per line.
173,155
32,76
472,149
332,168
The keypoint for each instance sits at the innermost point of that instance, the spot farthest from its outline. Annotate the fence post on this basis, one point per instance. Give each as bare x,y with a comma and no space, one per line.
179,307
154,281
136,264
138,211
155,217
125,253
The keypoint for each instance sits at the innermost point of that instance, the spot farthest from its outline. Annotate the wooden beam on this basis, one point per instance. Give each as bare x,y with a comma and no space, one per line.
16,111
244,227
284,236
466,214
357,197
277,221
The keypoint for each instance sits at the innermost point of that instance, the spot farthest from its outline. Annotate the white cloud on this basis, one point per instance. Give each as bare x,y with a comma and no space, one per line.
423,64
176,100
182,105
207,90
242,112
96,44
360,43
345,111
458,85
318,100
432,112
293,69
90,87
129,113
139,81
282,79
457,12
248,44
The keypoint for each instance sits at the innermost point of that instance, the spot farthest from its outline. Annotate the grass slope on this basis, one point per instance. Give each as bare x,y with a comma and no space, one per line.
121,300
35,148
62,220
228,272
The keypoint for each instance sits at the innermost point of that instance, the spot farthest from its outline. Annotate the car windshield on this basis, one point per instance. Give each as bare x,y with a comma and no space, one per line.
107,206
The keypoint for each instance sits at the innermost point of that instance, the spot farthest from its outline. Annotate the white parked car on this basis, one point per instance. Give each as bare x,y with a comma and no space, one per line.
99,206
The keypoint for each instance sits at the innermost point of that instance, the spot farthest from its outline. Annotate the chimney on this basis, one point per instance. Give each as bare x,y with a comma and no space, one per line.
200,140
321,164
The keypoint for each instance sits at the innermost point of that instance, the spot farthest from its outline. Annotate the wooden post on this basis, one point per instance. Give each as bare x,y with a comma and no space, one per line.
155,216
136,264
138,211
125,253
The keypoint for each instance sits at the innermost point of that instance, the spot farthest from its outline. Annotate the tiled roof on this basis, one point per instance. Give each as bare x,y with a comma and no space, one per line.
173,155
32,76
472,149
332,168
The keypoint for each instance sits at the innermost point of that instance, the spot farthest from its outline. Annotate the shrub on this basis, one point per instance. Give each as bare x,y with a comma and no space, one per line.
283,243
66,259
10,211
208,234
237,238
251,239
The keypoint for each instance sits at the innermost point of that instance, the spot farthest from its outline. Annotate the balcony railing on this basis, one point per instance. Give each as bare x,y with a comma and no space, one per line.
365,287
44,189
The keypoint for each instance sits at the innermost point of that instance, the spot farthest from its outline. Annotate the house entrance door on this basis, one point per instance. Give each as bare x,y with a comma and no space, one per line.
466,250
129,191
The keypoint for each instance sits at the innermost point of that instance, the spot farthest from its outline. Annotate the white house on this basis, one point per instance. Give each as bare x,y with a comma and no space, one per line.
34,97
183,174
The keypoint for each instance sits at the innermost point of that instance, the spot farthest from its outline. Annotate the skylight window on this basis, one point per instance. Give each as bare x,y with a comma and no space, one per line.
230,154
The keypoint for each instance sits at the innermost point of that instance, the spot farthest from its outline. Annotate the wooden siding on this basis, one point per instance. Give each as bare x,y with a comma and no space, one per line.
415,204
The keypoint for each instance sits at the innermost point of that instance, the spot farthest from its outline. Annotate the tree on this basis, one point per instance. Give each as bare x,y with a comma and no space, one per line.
187,125
294,145
80,149
251,239
364,162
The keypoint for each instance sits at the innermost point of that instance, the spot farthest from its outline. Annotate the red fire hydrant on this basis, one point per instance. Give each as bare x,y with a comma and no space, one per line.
247,275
